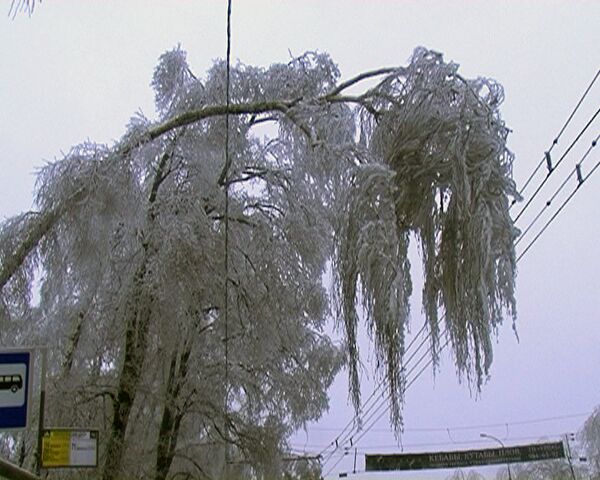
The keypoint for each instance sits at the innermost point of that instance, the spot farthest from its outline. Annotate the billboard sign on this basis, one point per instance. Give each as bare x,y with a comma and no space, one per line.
15,388
465,458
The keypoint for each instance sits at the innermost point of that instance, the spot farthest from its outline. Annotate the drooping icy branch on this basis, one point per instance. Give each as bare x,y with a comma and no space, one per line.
282,106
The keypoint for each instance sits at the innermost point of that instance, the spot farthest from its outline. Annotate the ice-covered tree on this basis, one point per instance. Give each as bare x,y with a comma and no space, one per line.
462,475
135,245
542,470
590,437
18,6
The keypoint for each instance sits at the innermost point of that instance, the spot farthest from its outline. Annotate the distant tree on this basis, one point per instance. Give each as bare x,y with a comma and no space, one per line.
542,470
590,437
302,469
461,475
135,246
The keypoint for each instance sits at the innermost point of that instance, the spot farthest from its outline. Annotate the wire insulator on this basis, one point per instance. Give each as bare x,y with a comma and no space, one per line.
549,162
579,175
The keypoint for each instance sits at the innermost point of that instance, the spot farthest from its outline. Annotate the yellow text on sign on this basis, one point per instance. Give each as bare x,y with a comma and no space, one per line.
62,448
56,448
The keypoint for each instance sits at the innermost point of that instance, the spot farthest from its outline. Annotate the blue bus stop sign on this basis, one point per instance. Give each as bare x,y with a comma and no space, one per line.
15,373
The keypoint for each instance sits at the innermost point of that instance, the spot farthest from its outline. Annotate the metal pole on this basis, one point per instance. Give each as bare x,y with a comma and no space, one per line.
569,457
38,463
485,435
13,472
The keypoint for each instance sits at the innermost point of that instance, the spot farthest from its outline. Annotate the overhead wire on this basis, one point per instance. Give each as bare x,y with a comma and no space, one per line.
378,403
581,179
555,141
342,440
473,441
383,402
363,432
226,226
472,427
559,210
575,172
366,408
463,442
555,166
342,455
408,385
381,384
477,427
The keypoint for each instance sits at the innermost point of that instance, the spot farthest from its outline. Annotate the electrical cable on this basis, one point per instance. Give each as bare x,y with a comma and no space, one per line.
463,442
226,227
567,200
575,171
342,455
553,169
555,141
408,385
364,409
478,427
384,400
379,403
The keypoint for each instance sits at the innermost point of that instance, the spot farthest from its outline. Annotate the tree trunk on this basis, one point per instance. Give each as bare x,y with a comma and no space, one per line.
137,323
73,344
172,413
136,339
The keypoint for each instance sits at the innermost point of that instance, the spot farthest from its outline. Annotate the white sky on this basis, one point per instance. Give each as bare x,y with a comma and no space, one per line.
79,70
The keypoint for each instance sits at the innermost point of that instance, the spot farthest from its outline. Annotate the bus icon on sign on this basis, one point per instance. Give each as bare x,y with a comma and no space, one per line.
14,383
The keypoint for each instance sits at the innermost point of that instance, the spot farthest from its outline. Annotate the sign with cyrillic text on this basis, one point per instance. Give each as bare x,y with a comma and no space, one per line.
464,458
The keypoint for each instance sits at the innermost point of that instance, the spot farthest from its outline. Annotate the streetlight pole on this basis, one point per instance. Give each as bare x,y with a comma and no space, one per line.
485,435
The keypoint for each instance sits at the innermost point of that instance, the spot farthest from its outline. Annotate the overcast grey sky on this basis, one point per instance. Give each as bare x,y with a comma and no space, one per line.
79,70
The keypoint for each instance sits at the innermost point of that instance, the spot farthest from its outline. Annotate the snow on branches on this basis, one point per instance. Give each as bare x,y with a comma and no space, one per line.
129,240
440,171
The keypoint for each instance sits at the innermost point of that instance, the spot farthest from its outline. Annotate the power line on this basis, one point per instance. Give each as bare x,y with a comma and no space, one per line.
478,426
384,401
469,442
555,141
563,205
575,172
356,418
364,409
408,385
342,455
226,226
552,169
341,440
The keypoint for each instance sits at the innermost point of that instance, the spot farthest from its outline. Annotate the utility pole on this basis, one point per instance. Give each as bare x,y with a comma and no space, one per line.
569,455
